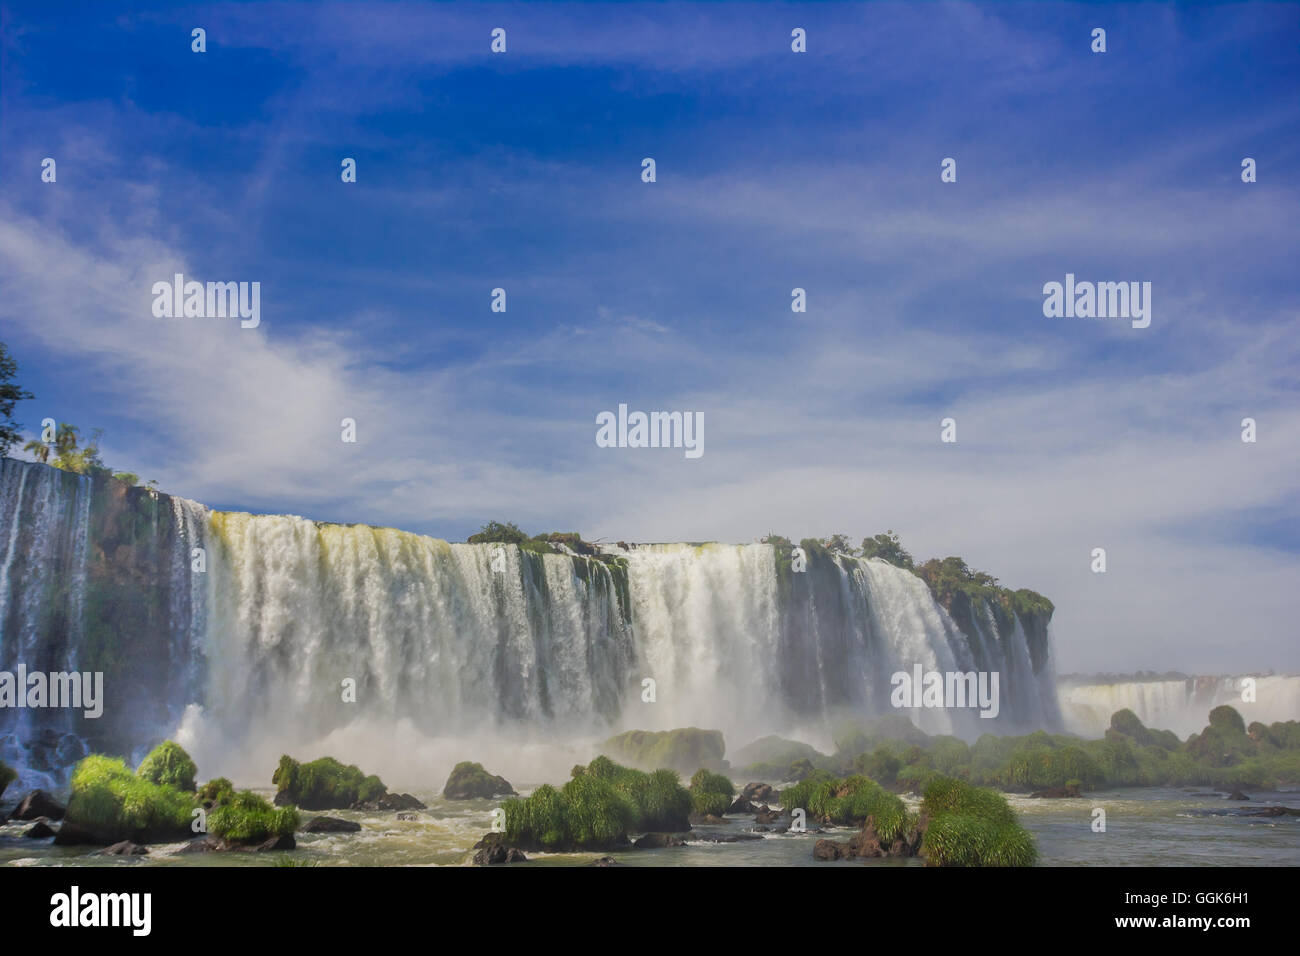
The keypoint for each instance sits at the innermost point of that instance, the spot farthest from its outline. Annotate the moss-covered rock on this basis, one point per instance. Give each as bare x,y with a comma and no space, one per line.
169,765
684,750
109,803
324,784
469,781
246,818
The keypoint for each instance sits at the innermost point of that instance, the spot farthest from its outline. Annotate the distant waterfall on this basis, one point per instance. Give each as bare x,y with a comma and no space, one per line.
295,630
1182,706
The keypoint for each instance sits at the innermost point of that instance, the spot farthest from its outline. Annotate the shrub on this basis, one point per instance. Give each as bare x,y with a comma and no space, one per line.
247,818
325,784
114,804
168,764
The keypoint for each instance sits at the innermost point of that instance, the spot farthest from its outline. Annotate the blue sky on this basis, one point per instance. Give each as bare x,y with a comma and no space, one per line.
775,170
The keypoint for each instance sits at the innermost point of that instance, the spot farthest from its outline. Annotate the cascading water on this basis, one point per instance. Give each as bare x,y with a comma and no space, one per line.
1181,705
295,633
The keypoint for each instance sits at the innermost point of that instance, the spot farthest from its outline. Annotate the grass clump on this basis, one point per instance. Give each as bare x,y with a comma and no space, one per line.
215,793
324,784
114,804
848,802
711,793
597,808
169,765
247,818
970,826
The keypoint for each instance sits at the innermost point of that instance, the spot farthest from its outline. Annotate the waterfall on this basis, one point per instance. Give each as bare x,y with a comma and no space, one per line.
1182,705
292,632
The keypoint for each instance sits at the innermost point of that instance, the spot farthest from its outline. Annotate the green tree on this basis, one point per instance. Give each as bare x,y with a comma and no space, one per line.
887,547
10,395
40,449
839,543
495,532
71,455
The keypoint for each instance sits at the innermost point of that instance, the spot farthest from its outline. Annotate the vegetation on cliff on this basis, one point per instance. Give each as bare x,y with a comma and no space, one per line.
11,393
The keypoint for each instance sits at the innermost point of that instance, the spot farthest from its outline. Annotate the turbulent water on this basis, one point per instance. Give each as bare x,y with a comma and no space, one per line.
1178,705
248,636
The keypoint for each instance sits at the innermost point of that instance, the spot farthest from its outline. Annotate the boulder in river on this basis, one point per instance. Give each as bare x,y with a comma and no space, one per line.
37,804
760,793
123,848
324,824
469,781
656,841
493,850
41,831
1057,793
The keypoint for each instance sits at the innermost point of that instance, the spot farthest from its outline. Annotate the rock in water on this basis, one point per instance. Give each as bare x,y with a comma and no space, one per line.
656,841
331,825
125,848
41,831
497,852
207,844
391,801
286,842
1056,793
38,804
469,781
760,793
830,850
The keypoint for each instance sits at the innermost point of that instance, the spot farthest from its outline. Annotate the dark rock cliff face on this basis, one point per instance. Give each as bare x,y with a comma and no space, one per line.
95,577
